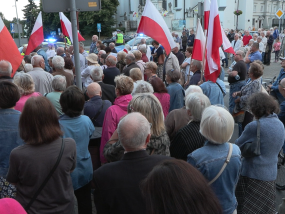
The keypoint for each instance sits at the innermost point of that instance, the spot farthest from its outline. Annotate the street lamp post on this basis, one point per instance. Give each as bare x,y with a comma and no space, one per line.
19,34
237,16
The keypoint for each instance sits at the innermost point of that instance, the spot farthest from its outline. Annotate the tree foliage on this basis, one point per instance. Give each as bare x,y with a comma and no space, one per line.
30,13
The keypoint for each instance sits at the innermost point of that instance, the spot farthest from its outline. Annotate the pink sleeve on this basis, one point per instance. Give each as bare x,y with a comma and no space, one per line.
109,126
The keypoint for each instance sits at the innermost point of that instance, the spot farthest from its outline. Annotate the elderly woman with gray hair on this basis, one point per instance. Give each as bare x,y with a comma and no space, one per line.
217,160
174,89
189,138
58,85
26,87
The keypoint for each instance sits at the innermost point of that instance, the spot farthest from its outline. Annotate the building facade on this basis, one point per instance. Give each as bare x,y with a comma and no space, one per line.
184,13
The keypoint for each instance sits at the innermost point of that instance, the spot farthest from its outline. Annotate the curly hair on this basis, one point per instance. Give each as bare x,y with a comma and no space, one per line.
124,84
68,63
261,105
256,70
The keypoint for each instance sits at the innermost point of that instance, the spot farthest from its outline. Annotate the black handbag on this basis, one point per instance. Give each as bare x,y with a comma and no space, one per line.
252,149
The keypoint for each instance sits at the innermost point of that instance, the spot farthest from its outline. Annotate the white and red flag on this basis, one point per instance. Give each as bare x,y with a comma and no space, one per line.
199,44
207,5
153,25
8,48
66,27
226,44
215,40
37,35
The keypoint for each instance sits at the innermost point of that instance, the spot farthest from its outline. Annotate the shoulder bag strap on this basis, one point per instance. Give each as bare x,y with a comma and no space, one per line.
225,164
99,112
221,89
47,178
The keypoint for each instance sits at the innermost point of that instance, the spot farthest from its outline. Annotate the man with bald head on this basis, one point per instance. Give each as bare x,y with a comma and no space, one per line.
60,52
111,71
95,108
42,53
5,71
117,184
42,79
131,63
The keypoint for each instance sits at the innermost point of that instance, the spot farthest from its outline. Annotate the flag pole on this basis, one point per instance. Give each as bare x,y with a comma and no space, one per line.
204,56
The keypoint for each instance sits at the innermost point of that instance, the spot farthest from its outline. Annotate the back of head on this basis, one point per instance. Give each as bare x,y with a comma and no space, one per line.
149,106
93,89
136,74
27,59
197,64
255,45
28,67
121,56
5,68
196,103
25,83
124,84
58,62
256,70
59,83
9,94
184,191
68,64
59,51
193,89
143,87
36,59
133,131
158,85
42,125
72,101
137,54
173,75
96,73
111,60
217,124
142,48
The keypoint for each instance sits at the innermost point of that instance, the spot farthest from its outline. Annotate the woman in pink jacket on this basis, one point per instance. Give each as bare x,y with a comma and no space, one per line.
160,91
124,88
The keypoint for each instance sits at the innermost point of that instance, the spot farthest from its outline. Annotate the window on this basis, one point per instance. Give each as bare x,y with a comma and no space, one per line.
261,8
164,4
175,3
254,8
253,22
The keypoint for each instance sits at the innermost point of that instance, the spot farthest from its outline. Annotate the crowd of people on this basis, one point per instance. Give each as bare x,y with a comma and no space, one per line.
164,131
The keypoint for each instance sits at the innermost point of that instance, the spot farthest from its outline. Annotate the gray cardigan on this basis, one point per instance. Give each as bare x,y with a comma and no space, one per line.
272,135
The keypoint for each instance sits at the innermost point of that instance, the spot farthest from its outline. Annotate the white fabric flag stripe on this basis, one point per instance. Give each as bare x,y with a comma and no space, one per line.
201,36
38,23
214,12
67,24
151,12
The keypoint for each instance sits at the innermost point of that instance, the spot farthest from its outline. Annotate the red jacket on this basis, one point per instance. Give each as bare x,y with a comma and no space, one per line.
246,39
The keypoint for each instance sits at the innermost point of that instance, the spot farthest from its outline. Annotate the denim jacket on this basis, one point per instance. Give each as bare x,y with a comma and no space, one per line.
209,161
177,95
9,137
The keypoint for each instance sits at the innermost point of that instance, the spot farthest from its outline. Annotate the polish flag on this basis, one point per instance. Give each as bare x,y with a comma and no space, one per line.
199,44
67,29
8,48
207,5
37,35
226,44
215,40
153,25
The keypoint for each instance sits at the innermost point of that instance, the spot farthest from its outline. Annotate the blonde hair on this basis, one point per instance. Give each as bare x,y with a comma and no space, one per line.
217,125
152,66
136,74
121,55
25,83
124,84
138,54
149,106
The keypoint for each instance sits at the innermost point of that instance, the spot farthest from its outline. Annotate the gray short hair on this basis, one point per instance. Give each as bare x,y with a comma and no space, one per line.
111,60
196,103
59,83
25,83
131,57
96,73
217,124
28,67
142,48
111,45
81,44
8,71
36,60
192,89
174,75
143,87
58,62
197,63
102,52
133,130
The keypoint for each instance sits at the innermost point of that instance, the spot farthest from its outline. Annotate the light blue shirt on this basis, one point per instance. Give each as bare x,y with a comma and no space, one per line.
254,56
80,129
177,95
213,91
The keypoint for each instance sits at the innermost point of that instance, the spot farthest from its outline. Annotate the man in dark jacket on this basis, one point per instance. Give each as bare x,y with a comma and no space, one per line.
184,41
131,63
231,35
191,38
117,184
195,67
111,71
267,56
178,54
